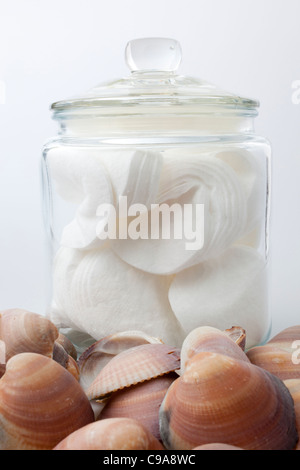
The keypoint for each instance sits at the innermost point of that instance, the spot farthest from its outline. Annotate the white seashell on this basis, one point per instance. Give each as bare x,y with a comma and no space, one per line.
225,291
103,295
191,179
90,178
251,171
81,179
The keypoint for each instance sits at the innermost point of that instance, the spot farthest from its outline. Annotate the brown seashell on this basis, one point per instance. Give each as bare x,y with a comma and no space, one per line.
24,331
2,370
40,403
61,356
238,335
111,434
221,399
67,345
206,338
132,366
94,358
294,387
277,355
2,358
217,447
141,402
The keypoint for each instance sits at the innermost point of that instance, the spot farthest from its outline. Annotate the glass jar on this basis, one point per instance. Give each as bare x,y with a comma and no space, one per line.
156,196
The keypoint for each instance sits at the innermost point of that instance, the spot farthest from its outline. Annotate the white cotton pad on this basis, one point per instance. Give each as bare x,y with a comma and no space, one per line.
190,180
104,295
224,292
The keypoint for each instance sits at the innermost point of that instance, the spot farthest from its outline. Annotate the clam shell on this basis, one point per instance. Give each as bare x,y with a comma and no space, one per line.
111,434
294,387
24,331
206,338
94,358
221,399
276,355
40,404
238,335
204,294
61,356
141,401
98,294
67,345
133,366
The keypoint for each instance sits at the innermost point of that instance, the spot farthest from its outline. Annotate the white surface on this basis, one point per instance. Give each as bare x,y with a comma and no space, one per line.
54,49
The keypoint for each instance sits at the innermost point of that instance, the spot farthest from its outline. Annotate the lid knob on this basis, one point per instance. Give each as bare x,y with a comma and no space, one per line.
153,55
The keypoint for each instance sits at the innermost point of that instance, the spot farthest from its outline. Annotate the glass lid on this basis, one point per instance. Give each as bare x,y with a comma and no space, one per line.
153,82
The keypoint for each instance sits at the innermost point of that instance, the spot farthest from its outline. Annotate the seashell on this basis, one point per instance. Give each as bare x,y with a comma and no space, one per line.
100,295
207,338
190,179
89,178
277,355
251,171
40,404
81,179
2,358
141,402
238,335
67,345
204,294
221,399
217,447
111,434
61,356
294,387
24,331
133,366
94,358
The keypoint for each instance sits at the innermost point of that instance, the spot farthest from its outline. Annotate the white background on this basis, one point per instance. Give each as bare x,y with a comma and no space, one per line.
53,49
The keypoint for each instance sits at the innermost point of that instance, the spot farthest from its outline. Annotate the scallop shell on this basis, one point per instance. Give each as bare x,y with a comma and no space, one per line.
24,331
206,338
141,401
40,404
94,358
221,399
111,434
276,356
294,387
133,366
191,179
90,178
